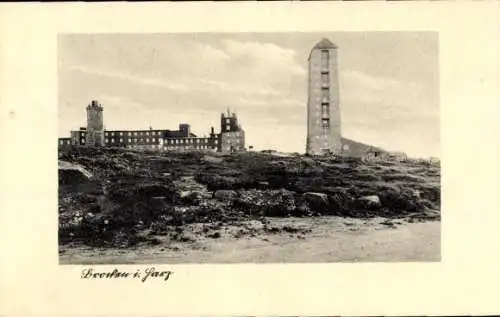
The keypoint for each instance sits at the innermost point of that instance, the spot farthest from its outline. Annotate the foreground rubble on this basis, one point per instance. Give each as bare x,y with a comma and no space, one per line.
130,197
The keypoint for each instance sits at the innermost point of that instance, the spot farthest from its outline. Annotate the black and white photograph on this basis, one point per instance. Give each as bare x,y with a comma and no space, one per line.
289,147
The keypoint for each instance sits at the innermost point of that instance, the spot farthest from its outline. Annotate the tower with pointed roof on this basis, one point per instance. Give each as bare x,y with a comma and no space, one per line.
323,104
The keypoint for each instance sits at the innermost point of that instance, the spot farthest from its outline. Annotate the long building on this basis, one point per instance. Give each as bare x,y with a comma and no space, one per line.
230,139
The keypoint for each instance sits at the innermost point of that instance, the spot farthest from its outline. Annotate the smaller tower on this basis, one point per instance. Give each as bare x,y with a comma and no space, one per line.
229,122
95,124
185,129
232,136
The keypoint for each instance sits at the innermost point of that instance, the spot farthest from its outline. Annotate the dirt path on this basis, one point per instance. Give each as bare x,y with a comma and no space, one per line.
331,239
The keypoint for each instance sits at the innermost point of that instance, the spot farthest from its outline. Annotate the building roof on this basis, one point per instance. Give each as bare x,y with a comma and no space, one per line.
325,44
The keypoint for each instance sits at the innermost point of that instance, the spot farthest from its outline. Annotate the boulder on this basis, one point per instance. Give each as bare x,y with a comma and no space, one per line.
316,201
212,159
225,195
72,174
277,203
371,202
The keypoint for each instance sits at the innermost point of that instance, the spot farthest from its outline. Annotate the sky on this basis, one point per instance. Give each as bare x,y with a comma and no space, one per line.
389,85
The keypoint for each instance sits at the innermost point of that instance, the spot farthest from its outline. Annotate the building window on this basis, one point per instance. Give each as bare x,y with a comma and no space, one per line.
82,135
325,55
106,134
130,134
83,141
325,95
121,133
147,140
228,121
325,79
135,133
107,140
112,140
61,142
121,140
228,127
325,124
325,110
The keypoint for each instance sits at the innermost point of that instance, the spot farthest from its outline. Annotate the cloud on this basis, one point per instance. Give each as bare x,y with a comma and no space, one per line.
382,96
374,82
121,103
239,87
135,79
210,54
264,55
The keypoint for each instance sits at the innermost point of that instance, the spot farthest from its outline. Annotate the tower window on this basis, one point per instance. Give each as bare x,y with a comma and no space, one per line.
324,59
325,79
325,94
325,124
325,109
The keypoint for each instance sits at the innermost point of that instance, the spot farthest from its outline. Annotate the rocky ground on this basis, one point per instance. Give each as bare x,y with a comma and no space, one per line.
174,201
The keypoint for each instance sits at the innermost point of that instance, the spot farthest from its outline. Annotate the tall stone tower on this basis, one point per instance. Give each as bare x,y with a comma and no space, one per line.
95,124
323,108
